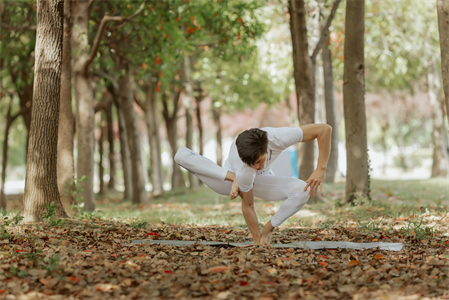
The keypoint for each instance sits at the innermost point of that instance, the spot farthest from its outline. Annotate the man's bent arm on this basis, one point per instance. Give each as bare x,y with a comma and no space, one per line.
249,213
323,134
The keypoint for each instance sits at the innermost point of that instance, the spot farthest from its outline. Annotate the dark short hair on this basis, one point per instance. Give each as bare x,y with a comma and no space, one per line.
251,144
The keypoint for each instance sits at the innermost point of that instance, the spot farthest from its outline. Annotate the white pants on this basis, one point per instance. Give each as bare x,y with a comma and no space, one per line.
267,186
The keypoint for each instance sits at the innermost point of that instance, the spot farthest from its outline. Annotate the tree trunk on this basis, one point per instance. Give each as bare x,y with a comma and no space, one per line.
100,162
200,123
305,84
154,138
4,162
440,162
357,180
331,112
295,46
443,28
170,123
139,194
82,80
66,169
124,149
108,111
216,111
41,185
188,103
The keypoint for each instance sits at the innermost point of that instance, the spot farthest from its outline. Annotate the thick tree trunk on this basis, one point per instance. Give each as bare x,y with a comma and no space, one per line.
41,185
139,194
170,123
66,169
216,111
111,156
305,84
84,102
188,105
154,138
440,162
124,149
357,181
100,162
443,28
331,112
295,46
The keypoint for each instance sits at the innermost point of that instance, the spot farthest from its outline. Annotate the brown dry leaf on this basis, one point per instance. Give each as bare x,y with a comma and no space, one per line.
354,263
218,269
49,282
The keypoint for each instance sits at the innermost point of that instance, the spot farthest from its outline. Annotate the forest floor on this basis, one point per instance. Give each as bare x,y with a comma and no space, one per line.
87,257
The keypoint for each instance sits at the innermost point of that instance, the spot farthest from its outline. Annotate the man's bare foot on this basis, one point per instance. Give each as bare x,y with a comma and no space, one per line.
234,190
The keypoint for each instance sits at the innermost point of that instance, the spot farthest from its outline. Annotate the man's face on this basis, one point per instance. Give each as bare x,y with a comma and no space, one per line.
260,162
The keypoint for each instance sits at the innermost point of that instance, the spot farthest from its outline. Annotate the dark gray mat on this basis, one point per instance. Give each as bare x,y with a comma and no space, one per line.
300,244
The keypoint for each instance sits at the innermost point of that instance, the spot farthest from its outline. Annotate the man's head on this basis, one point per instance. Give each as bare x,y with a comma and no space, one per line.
252,146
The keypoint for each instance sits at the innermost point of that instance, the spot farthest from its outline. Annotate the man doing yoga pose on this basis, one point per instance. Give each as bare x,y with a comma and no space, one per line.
247,172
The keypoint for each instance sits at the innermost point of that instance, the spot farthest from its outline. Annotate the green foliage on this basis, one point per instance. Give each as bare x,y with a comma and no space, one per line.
74,189
49,215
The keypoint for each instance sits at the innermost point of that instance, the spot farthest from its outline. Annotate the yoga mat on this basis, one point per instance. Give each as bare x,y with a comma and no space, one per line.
300,244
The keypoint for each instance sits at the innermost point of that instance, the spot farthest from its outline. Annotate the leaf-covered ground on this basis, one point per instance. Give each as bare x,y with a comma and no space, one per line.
88,258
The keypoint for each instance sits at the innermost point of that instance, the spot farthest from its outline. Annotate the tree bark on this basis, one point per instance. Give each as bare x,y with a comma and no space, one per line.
66,169
111,156
188,105
139,194
124,149
440,162
357,180
443,28
198,117
216,111
82,79
305,84
41,185
331,112
171,126
154,138
9,120
100,162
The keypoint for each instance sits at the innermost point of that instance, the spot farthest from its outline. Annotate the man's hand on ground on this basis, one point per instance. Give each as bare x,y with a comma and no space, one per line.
315,180
265,239
234,190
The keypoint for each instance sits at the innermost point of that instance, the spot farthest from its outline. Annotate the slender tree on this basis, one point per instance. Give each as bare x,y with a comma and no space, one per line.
443,28
81,63
65,162
331,111
357,183
152,118
440,162
188,105
41,185
304,75
126,100
9,120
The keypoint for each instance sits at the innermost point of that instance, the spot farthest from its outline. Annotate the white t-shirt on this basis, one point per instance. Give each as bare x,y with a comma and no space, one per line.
279,139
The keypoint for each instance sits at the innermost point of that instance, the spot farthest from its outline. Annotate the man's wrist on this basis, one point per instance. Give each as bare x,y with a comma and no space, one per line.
322,167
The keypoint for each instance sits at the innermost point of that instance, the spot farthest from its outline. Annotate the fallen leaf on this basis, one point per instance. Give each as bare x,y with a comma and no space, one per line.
218,269
379,256
354,263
